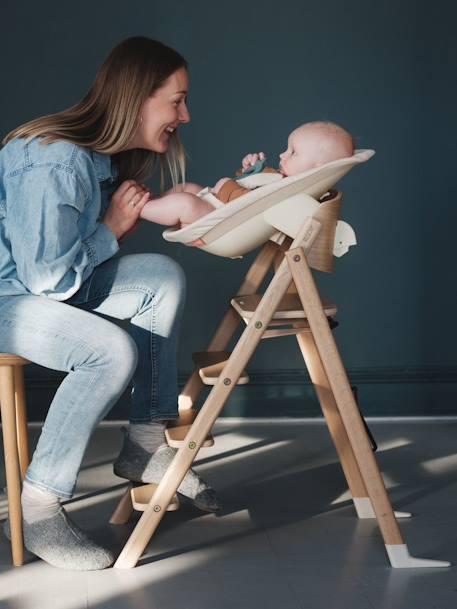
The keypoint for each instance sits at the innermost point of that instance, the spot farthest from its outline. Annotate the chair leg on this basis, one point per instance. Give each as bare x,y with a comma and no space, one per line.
226,329
331,414
352,421
21,420
362,502
124,508
13,475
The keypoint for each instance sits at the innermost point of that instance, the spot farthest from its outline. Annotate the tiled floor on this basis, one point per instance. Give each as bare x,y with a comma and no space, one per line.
287,537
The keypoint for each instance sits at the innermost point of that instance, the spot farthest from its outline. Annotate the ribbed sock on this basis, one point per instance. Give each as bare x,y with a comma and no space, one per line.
38,504
150,436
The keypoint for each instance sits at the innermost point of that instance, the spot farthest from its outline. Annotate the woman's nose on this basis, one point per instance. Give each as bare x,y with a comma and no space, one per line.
184,115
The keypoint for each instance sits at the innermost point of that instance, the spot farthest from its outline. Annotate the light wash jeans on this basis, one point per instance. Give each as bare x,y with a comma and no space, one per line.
77,337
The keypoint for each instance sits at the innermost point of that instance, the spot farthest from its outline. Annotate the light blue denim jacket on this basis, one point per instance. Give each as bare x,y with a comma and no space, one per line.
52,200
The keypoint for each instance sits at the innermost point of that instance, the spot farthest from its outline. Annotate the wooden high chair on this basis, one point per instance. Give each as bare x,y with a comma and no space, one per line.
291,304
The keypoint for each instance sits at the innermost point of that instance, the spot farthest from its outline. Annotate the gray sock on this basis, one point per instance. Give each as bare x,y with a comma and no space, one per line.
150,435
61,543
38,504
138,465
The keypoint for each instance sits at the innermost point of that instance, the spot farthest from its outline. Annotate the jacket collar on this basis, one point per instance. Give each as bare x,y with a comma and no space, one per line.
103,167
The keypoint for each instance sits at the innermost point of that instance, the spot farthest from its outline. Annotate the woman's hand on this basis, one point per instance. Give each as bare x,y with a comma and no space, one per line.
125,207
251,159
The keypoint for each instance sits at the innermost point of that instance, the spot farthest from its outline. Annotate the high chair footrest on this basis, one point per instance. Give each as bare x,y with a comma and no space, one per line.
210,365
176,435
186,417
290,307
141,496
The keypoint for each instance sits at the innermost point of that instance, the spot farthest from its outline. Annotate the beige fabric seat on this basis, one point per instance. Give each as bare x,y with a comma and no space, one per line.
236,228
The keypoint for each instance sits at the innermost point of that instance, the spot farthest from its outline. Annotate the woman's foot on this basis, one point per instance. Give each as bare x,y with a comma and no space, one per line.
139,465
61,543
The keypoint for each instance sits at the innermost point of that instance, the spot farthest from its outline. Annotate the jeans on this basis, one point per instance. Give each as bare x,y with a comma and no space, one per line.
100,358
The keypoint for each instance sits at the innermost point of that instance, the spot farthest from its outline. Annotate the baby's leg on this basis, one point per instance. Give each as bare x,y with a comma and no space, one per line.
187,187
179,208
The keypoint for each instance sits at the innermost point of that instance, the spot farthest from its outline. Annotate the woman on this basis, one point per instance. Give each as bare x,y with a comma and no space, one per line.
70,190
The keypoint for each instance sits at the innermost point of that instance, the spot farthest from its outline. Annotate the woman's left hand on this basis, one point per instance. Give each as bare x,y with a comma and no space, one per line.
125,207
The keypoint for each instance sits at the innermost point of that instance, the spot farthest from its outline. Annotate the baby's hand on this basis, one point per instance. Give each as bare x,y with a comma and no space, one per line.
251,159
219,184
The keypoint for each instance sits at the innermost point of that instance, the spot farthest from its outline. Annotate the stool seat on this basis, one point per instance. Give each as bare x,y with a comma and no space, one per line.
8,359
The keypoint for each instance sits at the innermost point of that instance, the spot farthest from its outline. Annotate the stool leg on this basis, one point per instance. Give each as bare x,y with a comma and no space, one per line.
21,420
13,474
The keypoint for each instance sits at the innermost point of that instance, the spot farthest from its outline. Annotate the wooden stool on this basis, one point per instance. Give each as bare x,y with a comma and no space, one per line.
15,443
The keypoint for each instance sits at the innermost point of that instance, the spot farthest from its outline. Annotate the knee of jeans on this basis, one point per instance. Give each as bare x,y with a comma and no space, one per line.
121,353
174,277
163,274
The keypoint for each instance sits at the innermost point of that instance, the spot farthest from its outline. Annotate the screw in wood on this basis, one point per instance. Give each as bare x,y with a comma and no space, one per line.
192,445
258,325
157,508
296,258
227,381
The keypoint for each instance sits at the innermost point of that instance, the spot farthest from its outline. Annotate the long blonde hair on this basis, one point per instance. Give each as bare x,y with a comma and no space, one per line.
108,116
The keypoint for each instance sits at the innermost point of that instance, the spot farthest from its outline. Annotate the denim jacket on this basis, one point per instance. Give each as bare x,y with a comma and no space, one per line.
52,200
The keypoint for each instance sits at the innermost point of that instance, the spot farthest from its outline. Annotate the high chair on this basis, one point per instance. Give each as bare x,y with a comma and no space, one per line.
15,443
300,232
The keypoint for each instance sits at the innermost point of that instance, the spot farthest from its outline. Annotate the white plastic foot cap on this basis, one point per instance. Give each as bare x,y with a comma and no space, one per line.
364,509
400,558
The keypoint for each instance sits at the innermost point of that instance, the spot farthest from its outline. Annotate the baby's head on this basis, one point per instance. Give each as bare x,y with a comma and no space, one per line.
314,144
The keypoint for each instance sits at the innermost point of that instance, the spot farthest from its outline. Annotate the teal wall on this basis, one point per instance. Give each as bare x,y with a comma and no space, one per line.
387,71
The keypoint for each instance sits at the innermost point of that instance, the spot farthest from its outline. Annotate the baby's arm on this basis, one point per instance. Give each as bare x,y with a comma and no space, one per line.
178,208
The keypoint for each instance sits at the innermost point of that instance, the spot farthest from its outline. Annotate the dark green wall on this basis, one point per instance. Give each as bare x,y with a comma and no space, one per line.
385,70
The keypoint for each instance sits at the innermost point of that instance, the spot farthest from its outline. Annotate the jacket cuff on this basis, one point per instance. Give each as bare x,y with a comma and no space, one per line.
101,245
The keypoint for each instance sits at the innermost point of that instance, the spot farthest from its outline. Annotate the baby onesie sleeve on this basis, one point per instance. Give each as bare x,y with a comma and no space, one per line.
230,190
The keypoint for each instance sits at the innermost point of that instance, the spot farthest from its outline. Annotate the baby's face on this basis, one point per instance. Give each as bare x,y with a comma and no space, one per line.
300,154
312,145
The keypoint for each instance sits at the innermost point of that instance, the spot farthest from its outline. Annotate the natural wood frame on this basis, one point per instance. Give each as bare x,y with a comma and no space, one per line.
327,373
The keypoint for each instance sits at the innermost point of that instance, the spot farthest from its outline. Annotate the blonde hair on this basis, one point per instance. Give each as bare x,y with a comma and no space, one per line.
108,116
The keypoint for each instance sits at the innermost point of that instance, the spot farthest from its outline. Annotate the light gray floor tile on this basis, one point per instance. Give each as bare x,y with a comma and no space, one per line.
287,536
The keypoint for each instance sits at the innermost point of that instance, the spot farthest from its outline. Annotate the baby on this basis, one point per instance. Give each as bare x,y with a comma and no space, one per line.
310,145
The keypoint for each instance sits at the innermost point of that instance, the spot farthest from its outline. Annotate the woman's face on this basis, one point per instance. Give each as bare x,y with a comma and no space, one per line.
162,113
